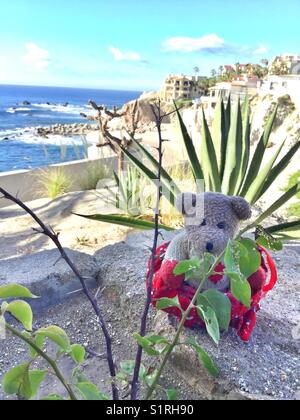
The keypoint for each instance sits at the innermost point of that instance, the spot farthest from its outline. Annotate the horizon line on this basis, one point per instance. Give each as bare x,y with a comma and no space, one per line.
75,87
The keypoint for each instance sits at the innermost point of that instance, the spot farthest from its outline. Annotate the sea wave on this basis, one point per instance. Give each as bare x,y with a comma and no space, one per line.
47,108
15,110
68,109
29,136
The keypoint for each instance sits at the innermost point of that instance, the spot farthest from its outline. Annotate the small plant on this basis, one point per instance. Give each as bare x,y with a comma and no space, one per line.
24,380
91,176
286,101
54,182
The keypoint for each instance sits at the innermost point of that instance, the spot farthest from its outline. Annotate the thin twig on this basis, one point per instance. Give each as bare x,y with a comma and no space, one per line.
143,328
54,237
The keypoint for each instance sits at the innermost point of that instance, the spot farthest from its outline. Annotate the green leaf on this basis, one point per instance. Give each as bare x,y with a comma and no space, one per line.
22,312
57,335
53,397
167,191
150,377
209,161
148,344
221,305
128,367
259,153
39,342
287,231
250,258
270,243
17,381
36,377
78,353
233,153
185,266
157,339
240,288
122,220
90,392
279,168
204,358
15,291
155,163
190,148
257,185
165,303
171,394
231,257
143,342
279,203
245,156
219,134
207,313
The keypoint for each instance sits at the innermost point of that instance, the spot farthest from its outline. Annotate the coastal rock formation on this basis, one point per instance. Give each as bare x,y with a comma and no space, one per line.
66,129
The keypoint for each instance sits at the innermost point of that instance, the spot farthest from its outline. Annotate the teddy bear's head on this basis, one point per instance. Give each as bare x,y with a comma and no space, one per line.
211,220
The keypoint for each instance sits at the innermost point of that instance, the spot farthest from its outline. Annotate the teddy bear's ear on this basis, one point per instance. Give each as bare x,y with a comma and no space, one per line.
185,202
241,207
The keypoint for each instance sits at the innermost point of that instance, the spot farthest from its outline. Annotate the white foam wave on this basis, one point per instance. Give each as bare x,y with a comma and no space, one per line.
14,110
65,109
29,136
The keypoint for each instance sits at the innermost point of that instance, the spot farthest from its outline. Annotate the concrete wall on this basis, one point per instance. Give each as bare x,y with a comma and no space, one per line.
25,183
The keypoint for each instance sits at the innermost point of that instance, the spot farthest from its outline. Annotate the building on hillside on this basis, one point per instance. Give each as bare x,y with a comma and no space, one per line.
292,63
238,89
181,87
281,86
227,69
242,68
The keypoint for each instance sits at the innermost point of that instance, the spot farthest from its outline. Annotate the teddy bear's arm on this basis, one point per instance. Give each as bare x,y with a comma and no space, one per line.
178,248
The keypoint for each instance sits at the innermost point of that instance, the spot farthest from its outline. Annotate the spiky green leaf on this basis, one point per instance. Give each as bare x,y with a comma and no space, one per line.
190,148
209,161
123,220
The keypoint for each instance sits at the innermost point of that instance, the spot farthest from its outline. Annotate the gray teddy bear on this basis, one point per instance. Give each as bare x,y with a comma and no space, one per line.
211,220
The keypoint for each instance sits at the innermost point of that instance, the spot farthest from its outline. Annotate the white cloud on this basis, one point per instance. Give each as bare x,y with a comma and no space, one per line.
207,42
124,55
261,50
36,57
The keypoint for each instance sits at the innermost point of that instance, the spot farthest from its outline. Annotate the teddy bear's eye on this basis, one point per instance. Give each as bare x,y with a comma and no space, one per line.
203,223
221,225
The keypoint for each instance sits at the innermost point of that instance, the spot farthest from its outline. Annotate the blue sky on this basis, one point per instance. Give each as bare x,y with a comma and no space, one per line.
135,44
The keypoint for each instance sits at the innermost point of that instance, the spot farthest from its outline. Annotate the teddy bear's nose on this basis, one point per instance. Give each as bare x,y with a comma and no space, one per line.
209,246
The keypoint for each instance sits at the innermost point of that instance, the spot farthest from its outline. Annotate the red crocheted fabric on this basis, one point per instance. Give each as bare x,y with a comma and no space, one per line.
167,285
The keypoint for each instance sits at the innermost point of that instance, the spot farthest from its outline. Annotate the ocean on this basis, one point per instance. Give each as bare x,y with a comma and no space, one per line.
22,108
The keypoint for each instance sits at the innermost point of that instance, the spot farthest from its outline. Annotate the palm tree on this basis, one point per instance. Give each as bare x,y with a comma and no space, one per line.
196,70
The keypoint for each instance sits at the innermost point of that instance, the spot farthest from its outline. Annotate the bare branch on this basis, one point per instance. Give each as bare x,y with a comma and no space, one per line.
135,380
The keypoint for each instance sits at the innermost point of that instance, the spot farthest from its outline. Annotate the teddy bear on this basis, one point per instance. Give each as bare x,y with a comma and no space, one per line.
211,220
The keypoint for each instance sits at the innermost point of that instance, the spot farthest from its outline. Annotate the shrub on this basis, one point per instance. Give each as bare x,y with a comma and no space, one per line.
54,182
92,175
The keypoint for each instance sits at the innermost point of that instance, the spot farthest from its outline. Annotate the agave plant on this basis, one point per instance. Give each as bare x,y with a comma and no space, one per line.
225,162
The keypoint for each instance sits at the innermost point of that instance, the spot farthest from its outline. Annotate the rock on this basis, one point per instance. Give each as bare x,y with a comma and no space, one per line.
26,103
48,276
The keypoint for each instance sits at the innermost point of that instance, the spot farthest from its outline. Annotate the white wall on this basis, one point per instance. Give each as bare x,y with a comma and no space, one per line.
24,183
